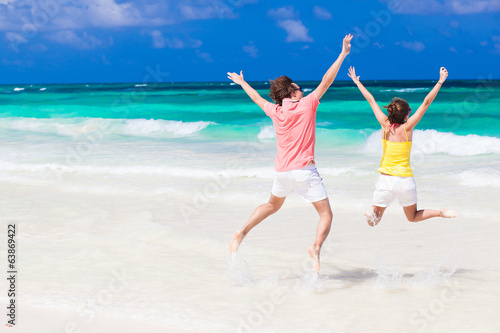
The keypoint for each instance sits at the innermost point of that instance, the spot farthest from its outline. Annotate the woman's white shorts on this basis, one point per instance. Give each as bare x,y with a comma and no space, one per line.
389,188
306,182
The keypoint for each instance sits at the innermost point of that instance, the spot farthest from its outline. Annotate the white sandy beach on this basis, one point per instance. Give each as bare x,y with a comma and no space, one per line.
128,244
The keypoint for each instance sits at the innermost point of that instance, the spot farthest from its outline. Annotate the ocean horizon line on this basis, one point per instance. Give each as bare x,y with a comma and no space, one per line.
249,81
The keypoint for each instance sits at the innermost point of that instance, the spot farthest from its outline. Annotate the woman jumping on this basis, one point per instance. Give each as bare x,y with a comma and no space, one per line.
396,178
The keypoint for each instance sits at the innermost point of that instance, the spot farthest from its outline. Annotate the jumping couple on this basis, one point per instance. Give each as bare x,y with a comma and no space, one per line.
294,120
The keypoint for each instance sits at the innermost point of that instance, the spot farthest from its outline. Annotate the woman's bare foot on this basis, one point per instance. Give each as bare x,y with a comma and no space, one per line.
447,213
235,241
315,257
371,218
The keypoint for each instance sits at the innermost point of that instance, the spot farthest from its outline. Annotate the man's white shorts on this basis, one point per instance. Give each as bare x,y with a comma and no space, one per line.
306,182
389,188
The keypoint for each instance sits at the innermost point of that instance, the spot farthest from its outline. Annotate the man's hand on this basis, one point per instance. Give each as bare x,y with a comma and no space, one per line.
251,92
352,75
443,74
236,78
331,74
346,45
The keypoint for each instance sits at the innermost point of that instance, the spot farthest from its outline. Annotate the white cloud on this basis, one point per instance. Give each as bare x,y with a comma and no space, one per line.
473,7
296,31
415,46
251,50
496,45
38,48
174,43
287,18
16,37
322,13
456,7
204,13
69,37
160,42
17,62
81,14
60,20
208,9
283,13
107,13
204,55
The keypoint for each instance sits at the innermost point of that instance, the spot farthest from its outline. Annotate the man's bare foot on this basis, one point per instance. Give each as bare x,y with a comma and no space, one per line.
371,218
447,213
235,241
315,257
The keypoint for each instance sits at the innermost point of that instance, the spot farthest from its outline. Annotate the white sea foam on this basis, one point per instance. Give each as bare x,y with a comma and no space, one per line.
324,123
342,171
155,128
266,132
144,170
18,89
238,270
407,90
140,85
434,142
42,89
66,127
481,177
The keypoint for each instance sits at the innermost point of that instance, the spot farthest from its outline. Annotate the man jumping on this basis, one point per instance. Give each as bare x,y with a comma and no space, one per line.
294,120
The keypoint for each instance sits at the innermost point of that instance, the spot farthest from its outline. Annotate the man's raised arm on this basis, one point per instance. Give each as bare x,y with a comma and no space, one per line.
251,92
330,75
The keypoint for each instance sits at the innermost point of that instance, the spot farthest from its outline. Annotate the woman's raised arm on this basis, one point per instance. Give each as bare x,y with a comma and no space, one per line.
413,120
381,117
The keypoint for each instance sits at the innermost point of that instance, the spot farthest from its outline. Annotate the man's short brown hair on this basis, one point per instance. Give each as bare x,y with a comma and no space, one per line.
281,88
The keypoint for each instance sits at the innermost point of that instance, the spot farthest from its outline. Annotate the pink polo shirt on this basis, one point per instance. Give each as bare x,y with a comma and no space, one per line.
295,127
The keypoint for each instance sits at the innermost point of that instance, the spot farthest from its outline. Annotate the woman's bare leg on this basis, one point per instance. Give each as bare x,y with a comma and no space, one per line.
259,214
414,215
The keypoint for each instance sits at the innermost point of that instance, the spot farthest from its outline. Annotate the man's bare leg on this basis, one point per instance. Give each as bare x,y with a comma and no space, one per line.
259,214
414,215
325,222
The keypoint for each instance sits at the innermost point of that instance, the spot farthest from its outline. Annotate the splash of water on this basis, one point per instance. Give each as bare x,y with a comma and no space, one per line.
394,277
238,270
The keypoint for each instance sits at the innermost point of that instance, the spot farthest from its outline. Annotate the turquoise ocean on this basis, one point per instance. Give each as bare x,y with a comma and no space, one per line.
215,111
126,195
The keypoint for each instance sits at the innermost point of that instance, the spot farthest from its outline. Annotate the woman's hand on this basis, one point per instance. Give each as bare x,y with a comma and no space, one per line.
352,75
236,78
443,74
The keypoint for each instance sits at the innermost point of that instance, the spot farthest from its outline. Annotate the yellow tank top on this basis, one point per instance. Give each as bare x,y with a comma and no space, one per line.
396,157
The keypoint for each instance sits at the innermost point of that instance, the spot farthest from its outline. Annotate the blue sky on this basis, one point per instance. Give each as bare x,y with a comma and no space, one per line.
61,41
